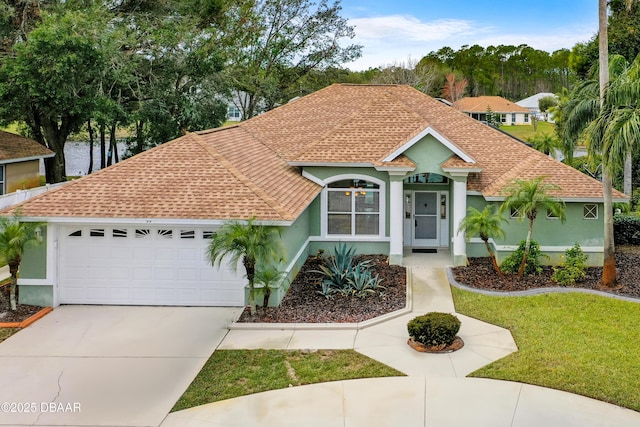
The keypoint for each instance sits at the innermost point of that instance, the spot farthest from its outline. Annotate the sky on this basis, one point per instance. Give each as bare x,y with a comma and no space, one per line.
393,32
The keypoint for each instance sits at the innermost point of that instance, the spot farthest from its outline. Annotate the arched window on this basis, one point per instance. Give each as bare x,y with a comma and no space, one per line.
353,207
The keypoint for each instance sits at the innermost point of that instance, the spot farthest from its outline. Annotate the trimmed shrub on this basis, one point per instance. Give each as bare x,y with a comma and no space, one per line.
512,263
572,269
626,229
434,329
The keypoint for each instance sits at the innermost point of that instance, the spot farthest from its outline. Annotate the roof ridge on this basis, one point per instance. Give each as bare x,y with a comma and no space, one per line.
419,129
241,177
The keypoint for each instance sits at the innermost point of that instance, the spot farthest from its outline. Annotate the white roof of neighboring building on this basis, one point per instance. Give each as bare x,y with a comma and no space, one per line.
532,101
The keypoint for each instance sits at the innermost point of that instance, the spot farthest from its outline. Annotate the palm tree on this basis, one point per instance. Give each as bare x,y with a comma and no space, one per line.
15,236
485,224
250,243
609,275
527,197
544,143
269,277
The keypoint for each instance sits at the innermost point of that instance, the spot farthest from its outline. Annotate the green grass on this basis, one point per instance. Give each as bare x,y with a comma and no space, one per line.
584,344
233,373
7,332
525,132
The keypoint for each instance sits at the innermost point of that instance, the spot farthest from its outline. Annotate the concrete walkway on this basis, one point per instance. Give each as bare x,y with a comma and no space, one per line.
435,393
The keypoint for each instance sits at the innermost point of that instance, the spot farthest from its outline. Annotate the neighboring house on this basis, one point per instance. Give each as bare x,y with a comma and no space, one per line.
384,168
532,103
20,162
477,107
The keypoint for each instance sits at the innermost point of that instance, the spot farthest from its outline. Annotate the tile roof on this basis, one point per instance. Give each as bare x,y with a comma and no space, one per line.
246,170
480,104
14,146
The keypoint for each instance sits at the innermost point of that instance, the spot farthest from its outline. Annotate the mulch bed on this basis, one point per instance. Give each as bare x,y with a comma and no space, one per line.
303,304
480,274
23,312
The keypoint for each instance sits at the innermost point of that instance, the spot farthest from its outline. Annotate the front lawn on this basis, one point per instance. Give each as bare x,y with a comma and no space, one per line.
584,344
525,132
7,332
234,373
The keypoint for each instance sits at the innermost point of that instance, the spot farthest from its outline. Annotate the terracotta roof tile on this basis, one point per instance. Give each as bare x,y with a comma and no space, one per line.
14,146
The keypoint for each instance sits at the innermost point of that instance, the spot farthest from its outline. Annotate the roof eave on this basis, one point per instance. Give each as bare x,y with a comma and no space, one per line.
146,221
331,164
26,159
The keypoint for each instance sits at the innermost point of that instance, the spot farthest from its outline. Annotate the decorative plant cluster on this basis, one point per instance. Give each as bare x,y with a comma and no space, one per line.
572,270
512,263
434,329
345,275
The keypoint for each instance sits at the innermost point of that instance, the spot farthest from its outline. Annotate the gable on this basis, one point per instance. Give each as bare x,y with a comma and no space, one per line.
429,154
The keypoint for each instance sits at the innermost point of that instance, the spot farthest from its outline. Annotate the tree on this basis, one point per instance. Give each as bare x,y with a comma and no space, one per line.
493,119
50,81
544,143
15,236
275,43
269,277
486,225
454,87
419,75
547,102
527,197
250,243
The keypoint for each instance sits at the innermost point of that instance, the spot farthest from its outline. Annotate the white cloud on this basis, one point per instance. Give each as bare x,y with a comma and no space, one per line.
409,28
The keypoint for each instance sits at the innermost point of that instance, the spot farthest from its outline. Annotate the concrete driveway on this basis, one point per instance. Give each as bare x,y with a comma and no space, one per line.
106,365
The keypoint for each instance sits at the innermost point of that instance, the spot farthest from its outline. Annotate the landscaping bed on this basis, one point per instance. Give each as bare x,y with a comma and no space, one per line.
22,312
303,303
480,274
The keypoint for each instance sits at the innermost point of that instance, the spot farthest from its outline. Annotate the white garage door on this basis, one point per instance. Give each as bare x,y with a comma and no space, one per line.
142,266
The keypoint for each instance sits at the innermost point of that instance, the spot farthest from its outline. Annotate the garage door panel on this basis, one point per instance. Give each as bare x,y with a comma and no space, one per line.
143,253
165,273
188,274
150,266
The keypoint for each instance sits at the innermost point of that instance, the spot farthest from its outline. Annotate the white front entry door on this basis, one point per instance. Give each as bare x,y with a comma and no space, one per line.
426,219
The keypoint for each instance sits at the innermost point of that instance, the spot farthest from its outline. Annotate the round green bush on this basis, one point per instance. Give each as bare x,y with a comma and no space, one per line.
434,329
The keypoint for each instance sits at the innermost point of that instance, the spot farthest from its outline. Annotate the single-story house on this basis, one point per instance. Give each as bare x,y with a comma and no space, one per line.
20,162
384,168
477,107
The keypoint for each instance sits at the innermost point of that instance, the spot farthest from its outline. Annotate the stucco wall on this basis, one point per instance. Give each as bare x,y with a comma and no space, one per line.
553,236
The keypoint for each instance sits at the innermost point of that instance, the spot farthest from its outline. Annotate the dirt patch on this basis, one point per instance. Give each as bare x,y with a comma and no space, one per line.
303,304
480,274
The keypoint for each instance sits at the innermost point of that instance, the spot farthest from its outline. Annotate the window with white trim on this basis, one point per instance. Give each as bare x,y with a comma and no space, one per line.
353,208
516,212
551,215
590,211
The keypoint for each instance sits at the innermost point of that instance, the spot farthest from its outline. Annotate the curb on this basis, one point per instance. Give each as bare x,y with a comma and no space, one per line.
244,326
28,321
537,291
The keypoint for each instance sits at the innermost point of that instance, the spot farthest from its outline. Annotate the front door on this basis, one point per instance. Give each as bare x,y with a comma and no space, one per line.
426,219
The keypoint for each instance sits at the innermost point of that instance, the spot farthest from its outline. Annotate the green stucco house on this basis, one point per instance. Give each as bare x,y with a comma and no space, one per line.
382,167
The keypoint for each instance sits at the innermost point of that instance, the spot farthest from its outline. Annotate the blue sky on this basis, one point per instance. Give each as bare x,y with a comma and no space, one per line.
394,31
